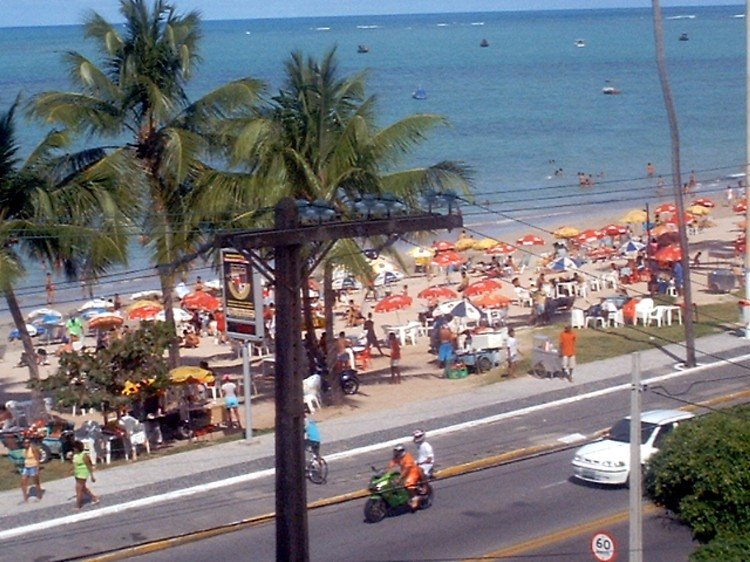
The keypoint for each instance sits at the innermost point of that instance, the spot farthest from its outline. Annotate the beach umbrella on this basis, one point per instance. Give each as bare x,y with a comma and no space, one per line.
188,374
44,315
145,303
461,308
447,258
213,285
530,240
631,247
436,292
704,202
393,302
740,207
589,236
614,230
388,278
381,264
146,312
566,232
492,300
668,254
105,321
147,295
634,216
96,303
699,210
666,208
181,290
92,312
443,245
421,253
347,283
482,287
502,249
687,217
201,300
663,229
464,244
15,334
563,264
180,315
485,244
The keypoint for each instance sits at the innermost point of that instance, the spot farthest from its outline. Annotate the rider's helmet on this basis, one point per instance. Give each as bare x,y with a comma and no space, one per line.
398,451
418,435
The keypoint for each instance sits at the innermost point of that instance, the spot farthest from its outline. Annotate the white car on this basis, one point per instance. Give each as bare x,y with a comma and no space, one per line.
607,461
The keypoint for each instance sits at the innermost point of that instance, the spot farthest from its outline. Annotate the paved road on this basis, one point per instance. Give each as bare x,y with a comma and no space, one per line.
238,501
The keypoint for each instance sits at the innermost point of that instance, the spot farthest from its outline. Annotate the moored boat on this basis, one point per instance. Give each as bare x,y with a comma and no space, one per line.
419,94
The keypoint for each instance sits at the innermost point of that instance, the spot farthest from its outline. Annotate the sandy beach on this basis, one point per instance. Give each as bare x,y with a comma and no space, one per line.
421,373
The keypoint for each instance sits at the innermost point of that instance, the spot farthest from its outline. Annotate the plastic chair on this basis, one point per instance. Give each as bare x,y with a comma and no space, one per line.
311,387
597,320
643,309
616,319
577,319
136,434
363,359
655,314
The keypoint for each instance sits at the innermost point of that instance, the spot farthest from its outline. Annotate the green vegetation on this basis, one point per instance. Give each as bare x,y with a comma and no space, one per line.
701,474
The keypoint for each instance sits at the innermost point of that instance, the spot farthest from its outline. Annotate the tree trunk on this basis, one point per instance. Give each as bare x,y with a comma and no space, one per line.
312,342
167,287
37,400
676,182
337,395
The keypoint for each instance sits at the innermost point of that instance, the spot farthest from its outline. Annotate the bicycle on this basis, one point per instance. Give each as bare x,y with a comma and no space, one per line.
316,468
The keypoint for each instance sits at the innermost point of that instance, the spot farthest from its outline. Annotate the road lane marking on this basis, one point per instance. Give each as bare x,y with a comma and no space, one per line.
448,472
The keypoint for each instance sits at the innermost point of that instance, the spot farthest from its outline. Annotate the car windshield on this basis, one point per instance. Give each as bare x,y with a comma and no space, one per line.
621,431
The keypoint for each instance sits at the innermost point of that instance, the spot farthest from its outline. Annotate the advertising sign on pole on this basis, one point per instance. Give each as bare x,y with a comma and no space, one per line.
243,297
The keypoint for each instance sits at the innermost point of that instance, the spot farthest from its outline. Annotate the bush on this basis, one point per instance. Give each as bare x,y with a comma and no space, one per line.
701,474
726,549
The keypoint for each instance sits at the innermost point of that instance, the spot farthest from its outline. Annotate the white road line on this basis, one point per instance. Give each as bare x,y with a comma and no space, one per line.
177,494
560,483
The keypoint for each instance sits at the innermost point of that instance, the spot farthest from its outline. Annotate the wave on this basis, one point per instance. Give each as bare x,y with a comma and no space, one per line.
739,16
369,26
684,17
443,24
477,23
322,29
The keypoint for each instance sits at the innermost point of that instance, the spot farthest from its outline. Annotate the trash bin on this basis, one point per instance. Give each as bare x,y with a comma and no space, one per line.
721,280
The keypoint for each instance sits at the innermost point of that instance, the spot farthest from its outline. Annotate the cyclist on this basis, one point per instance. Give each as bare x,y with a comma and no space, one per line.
425,453
312,436
410,473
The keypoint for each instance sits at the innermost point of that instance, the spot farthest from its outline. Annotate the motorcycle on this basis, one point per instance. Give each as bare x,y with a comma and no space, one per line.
388,496
348,379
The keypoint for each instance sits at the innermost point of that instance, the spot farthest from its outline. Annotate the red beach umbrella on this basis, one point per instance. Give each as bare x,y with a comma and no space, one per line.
502,249
393,302
201,300
589,236
492,300
704,202
740,207
105,321
482,287
665,208
614,230
443,245
448,257
530,240
668,254
145,312
436,292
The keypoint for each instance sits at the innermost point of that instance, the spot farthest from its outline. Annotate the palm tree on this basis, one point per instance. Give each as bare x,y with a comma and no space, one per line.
319,141
56,208
139,90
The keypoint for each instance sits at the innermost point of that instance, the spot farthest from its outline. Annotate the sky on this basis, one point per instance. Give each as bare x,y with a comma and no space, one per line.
23,13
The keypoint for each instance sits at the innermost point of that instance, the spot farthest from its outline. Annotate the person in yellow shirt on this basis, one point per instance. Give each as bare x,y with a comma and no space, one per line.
31,462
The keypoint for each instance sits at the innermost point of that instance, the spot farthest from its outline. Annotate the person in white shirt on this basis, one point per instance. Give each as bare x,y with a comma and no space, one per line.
425,453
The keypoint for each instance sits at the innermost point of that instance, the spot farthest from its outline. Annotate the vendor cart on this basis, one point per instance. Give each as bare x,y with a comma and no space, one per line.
545,358
485,351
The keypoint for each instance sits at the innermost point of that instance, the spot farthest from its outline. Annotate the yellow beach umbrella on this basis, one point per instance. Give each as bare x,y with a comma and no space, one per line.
421,253
699,210
566,232
634,216
188,374
465,244
485,244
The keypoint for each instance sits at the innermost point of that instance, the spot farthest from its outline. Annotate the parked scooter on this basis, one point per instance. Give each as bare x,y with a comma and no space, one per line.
348,379
388,496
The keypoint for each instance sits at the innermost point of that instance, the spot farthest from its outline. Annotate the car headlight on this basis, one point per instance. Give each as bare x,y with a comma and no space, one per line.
613,464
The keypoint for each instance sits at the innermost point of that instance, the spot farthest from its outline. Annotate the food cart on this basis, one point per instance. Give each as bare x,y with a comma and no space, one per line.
485,351
545,358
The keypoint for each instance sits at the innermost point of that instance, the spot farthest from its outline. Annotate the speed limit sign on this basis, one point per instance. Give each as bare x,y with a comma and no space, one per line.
604,548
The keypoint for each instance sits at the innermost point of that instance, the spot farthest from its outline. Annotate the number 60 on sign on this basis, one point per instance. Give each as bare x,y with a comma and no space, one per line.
604,548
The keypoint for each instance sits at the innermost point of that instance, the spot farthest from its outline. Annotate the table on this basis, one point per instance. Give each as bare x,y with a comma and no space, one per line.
403,332
668,310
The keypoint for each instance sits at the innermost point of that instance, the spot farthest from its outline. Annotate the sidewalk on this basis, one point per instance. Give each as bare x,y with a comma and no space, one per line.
167,474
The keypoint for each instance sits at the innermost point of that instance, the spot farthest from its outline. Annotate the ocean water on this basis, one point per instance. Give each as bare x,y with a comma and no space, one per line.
527,105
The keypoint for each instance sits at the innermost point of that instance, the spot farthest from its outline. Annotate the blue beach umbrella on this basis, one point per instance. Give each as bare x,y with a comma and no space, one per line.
563,264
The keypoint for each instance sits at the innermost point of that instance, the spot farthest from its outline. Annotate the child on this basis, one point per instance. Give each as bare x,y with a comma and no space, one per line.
395,358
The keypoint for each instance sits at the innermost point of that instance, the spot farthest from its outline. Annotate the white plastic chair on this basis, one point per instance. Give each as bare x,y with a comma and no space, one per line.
577,319
657,315
616,319
311,388
523,296
136,435
642,310
596,320
595,283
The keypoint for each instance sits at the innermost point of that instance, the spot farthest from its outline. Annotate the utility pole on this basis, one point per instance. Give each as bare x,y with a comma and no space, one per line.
744,305
288,238
635,546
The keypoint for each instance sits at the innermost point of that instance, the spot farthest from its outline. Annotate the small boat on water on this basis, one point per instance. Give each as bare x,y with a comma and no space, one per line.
611,91
363,49
684,37
484,43
419,94
580,43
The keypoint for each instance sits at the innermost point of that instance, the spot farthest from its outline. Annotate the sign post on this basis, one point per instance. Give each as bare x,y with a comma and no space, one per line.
603,547
243,308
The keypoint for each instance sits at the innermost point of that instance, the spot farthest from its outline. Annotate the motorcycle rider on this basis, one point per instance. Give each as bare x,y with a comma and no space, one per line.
425,454
410,473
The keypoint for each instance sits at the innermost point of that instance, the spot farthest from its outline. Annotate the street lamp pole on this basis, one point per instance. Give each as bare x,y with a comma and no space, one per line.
745,310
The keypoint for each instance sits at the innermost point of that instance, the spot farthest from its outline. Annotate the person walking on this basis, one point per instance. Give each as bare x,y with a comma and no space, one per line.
568,351
229,392
82,470
395,358
511,347
31,462
50,288
372,338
